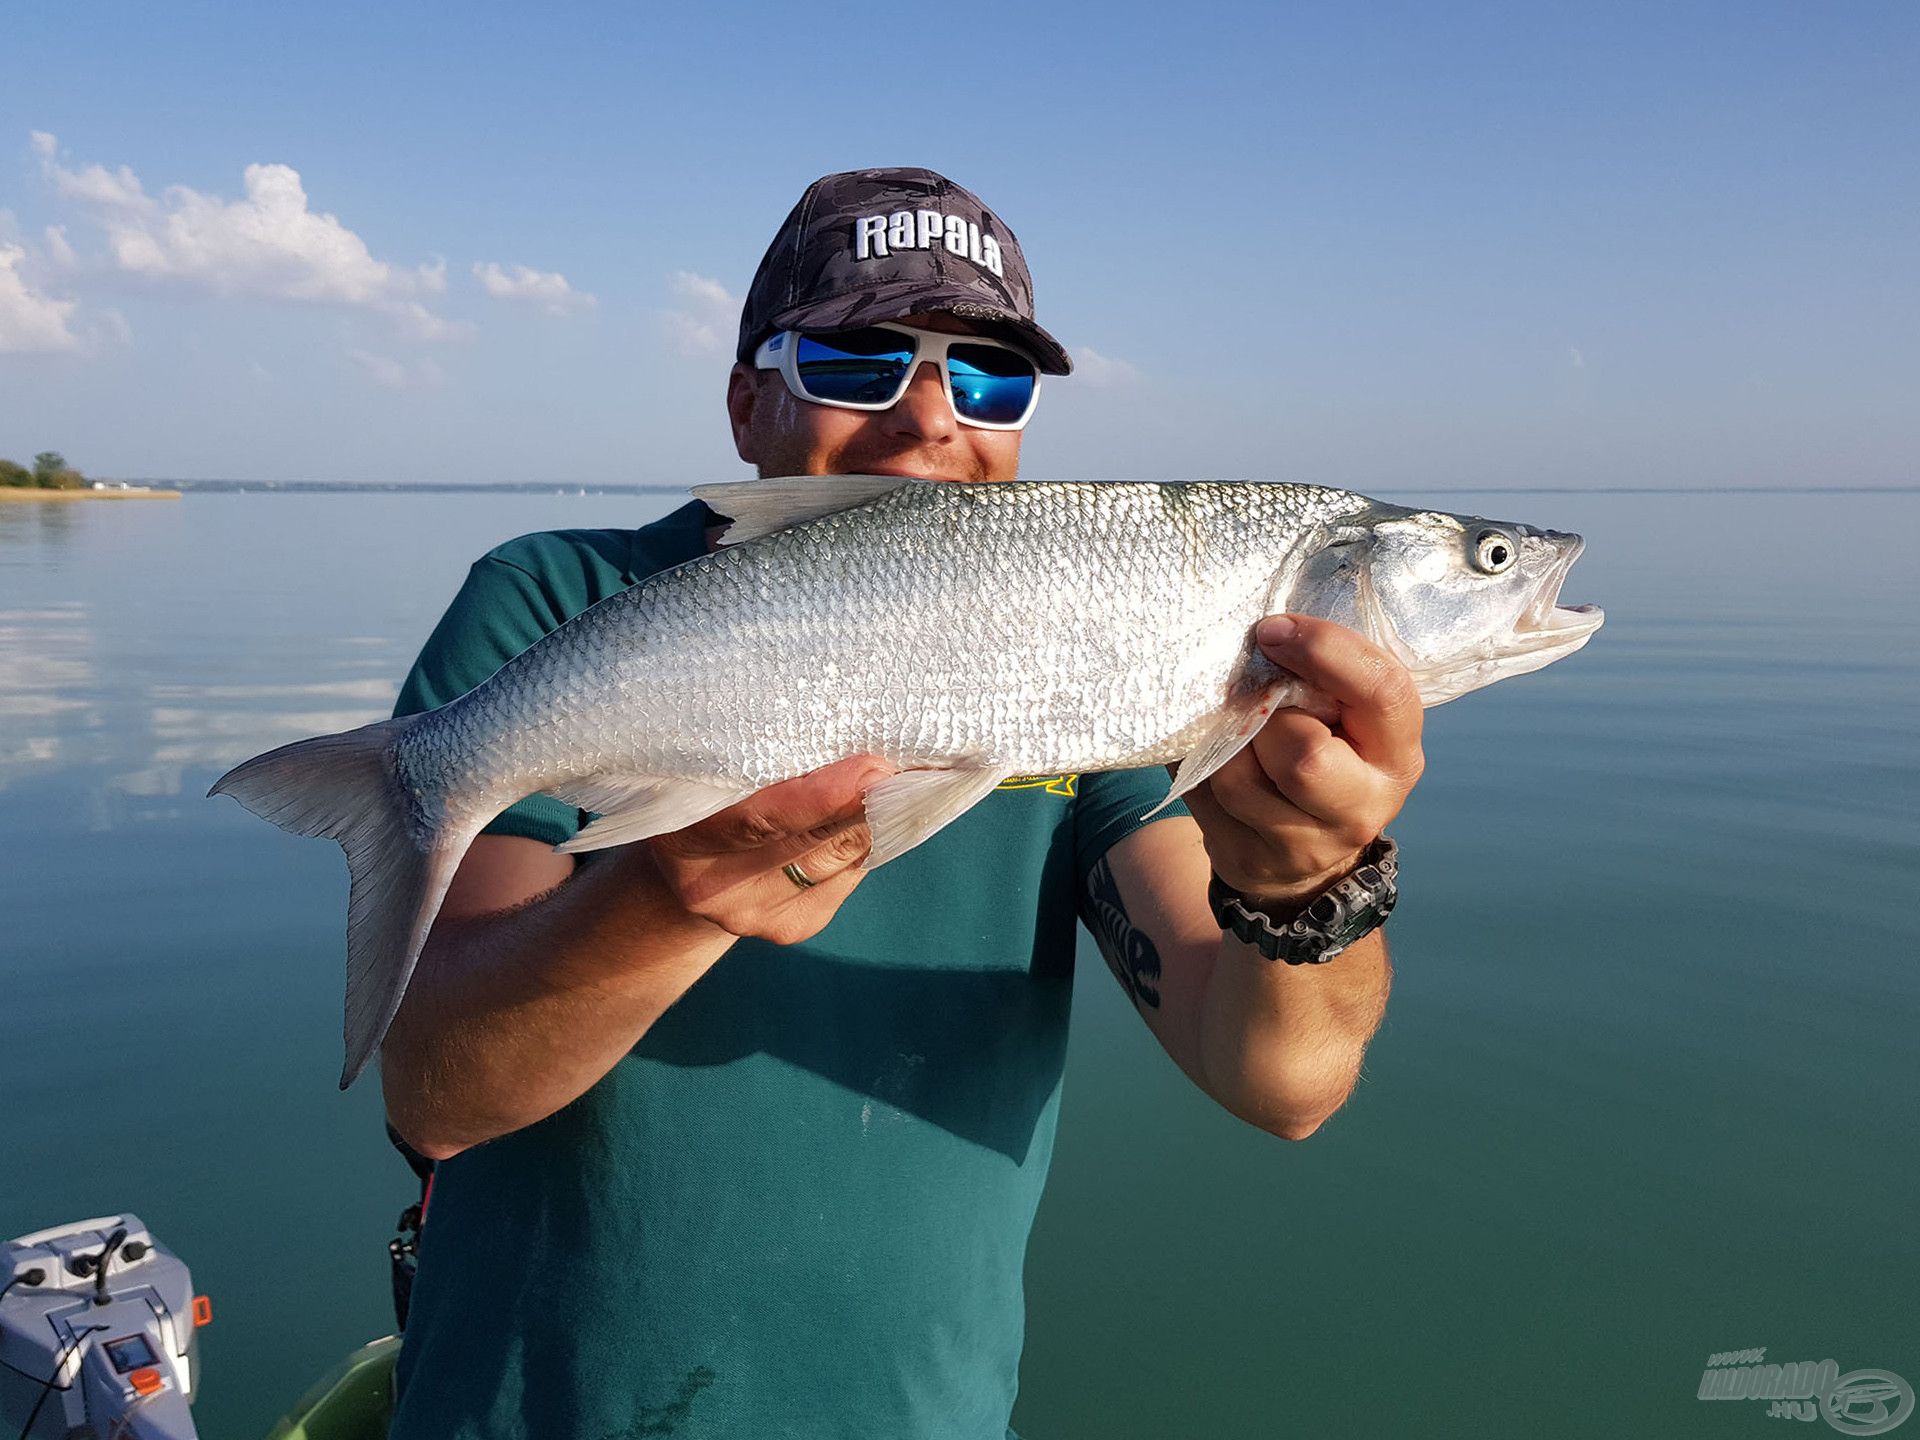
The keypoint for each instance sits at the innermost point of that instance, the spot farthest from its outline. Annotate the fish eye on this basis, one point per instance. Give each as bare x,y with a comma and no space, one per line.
1494,551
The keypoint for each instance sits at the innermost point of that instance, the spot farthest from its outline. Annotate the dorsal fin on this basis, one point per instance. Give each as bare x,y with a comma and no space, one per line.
760,507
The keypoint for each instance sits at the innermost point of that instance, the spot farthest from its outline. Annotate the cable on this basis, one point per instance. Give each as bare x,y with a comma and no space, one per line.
28,1278
58,1365
100,1263
99,1269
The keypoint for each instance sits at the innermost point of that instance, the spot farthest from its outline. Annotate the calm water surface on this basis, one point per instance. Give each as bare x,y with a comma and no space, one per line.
1646,1091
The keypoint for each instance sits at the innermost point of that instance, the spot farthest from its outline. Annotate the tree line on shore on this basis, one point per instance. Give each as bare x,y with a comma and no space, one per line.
50,472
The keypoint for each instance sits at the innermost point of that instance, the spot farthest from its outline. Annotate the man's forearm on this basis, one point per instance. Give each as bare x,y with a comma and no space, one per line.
1281,1045
510,1017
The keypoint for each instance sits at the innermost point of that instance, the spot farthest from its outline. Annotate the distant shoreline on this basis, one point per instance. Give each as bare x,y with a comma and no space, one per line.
34,492
406,487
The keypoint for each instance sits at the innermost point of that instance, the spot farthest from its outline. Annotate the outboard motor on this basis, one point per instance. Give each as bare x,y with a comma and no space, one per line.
97,1323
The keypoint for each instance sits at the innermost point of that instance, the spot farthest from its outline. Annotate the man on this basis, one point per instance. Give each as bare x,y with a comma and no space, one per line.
738,1140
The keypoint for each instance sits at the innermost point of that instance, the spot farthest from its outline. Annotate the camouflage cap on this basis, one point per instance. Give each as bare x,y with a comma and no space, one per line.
864,246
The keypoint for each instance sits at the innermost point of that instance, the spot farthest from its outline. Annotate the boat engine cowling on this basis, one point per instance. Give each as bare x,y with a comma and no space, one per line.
97,1323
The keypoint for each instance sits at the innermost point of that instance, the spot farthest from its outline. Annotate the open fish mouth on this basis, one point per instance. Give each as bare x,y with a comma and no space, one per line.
1546,624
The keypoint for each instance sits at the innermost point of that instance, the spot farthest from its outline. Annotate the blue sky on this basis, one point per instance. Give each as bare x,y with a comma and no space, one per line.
1382,246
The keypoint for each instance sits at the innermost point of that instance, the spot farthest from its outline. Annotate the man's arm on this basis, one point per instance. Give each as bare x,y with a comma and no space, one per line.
1278,1045
540,974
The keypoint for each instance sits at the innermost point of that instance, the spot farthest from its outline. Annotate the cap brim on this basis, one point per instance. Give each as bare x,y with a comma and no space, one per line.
896,302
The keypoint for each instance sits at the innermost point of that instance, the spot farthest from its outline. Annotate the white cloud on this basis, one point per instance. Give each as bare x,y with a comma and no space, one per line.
268,244
695,338
707,320
1576,358
416,322
58,247
703,289
546,288
97,185
30,322
393,374
1102,371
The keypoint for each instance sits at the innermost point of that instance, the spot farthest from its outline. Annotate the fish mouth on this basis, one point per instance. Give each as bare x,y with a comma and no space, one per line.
1546,624
1544,631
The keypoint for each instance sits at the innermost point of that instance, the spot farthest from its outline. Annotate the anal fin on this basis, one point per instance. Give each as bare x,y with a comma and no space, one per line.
907,808
638,807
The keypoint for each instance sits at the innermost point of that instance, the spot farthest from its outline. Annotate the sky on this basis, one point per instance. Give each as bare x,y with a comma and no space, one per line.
1381,246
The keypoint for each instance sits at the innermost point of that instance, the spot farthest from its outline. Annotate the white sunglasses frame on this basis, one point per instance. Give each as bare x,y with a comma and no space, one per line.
781,351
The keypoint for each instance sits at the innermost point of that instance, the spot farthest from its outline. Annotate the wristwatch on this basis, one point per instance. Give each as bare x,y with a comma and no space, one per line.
1331,921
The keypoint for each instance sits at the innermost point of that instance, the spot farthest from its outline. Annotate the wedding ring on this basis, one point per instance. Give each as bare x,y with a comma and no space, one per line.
798,876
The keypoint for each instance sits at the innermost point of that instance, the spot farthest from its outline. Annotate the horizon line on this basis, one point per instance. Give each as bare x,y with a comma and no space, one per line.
468,487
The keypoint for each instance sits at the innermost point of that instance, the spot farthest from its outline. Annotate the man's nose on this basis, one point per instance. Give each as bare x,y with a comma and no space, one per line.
924,412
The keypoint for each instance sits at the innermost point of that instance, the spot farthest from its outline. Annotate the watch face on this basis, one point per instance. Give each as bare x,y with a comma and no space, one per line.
1359,923
1342,914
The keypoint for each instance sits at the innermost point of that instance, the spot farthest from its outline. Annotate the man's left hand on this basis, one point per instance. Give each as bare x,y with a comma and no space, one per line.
1290,814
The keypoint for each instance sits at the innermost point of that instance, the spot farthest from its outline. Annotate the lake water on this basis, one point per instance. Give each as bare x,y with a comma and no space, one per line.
1646,1090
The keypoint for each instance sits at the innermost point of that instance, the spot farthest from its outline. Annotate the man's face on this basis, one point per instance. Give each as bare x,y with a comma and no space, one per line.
780,434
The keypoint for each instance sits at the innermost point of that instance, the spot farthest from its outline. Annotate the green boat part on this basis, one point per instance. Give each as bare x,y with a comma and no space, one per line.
352,1401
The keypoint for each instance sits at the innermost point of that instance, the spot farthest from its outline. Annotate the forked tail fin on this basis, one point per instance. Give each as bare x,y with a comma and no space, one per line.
400,863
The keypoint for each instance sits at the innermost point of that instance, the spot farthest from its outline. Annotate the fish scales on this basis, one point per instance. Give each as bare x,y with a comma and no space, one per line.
1019,624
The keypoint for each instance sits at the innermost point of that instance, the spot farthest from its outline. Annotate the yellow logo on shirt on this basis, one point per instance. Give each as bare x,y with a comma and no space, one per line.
1052,784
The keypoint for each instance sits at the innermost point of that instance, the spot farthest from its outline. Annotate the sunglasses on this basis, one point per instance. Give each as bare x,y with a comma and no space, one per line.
990,385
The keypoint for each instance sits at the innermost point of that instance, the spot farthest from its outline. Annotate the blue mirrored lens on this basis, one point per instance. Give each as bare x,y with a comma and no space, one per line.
864,367
991,385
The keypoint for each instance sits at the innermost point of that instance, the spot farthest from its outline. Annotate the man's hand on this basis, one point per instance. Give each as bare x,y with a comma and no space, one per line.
539,975
730,868
1290,814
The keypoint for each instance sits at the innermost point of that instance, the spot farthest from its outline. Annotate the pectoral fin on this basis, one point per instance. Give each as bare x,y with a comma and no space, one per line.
1262,689
907,808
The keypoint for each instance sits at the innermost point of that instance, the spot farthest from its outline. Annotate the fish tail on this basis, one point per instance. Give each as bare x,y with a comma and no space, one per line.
400,862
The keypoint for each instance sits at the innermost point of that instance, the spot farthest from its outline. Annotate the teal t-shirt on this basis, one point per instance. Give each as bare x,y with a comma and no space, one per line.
799,1207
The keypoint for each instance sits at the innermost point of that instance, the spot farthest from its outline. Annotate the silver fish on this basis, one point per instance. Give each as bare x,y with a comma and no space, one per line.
964,633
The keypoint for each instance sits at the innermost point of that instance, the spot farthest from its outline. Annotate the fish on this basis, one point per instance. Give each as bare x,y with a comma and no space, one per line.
965,634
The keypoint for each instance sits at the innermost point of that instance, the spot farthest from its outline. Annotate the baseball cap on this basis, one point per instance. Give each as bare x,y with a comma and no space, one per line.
864,246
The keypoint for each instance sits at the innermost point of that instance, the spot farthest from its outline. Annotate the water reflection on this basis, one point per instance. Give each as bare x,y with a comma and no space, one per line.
37,522
220,725
62,712
45,672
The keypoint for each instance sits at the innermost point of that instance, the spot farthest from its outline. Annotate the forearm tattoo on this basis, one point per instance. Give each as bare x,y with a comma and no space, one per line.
1130,954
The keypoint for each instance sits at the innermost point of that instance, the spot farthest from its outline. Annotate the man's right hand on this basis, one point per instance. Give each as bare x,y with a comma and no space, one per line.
730,868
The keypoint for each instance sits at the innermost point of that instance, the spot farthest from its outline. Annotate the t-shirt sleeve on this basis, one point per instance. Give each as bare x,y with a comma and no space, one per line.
1111,805
500,611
